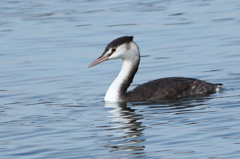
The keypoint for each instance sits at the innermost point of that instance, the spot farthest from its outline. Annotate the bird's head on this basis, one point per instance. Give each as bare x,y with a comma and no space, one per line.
121,48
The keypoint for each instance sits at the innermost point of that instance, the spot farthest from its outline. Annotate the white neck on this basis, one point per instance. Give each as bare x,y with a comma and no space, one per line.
130,59
113,92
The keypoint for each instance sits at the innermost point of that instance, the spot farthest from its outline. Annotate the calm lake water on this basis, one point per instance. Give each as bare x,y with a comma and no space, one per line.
52,106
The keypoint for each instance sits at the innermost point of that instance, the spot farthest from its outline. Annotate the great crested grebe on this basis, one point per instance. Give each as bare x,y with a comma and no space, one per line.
164,88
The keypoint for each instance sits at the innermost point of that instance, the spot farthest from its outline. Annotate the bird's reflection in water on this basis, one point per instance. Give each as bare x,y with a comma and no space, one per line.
130,139
125,118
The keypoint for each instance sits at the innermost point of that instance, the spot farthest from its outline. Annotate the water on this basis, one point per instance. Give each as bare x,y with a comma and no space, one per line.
52,106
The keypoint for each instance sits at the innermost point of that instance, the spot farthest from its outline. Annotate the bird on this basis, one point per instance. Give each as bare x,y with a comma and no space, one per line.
159,89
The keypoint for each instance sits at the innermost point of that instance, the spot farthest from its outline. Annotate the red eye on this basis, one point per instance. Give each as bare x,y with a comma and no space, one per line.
113,50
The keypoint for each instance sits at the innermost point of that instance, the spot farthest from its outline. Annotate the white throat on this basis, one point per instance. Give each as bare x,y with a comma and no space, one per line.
113,92
130,57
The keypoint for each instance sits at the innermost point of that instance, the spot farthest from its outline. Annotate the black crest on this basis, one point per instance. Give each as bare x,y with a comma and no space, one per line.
119,41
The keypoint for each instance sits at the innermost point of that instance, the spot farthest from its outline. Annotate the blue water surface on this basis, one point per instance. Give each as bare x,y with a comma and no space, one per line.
52,106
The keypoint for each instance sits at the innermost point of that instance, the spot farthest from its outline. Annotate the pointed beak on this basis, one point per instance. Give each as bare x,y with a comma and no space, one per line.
99,60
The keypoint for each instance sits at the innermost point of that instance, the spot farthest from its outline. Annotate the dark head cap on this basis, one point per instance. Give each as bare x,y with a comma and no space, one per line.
119,41
112,45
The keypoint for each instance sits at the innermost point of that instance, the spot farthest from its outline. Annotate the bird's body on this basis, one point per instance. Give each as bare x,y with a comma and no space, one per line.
165,88
170,88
